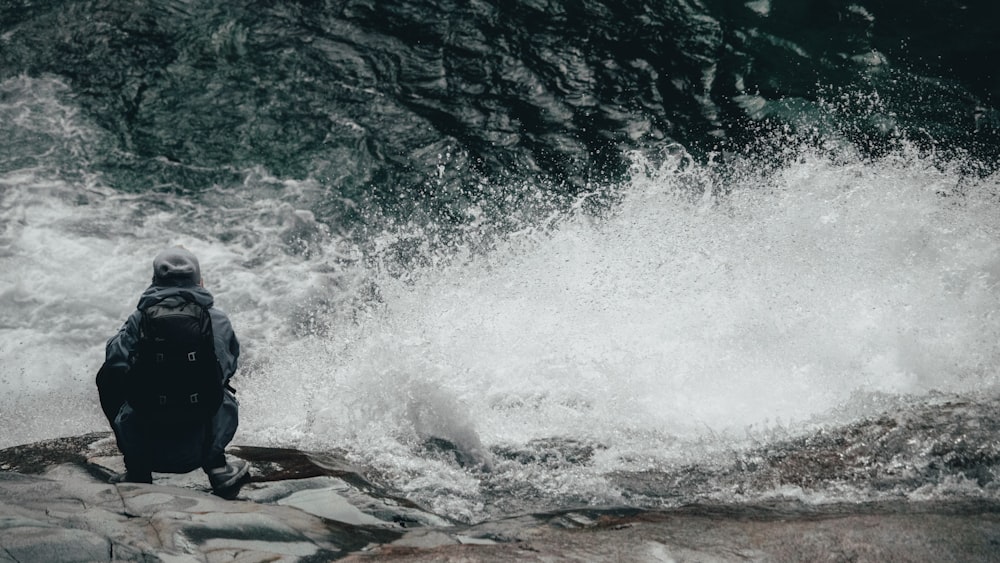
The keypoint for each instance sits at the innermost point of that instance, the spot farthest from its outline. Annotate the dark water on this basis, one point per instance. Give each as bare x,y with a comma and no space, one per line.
513,255
409,108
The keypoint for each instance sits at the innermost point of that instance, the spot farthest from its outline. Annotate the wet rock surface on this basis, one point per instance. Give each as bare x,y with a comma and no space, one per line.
56,506
942,447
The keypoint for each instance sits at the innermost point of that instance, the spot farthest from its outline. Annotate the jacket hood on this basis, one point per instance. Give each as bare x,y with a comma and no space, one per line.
176,266
156,293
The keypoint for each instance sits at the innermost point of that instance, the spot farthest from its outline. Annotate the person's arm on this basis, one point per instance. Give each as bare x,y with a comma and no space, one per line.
121,346
111,376
227,346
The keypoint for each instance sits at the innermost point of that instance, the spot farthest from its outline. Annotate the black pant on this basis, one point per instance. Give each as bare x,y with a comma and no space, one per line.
145,447
111,390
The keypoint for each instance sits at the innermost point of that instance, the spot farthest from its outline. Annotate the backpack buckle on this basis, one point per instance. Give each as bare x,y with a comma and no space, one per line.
163,400
191,357
193,398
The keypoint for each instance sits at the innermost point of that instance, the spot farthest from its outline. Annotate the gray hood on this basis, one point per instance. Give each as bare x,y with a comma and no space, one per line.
176,266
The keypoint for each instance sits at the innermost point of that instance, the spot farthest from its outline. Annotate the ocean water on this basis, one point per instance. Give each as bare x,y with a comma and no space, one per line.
503,254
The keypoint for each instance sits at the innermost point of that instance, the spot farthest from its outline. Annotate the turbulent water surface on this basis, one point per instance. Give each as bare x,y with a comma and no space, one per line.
512,255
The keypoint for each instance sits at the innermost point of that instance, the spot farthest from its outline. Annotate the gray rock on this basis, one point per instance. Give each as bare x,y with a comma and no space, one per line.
28,539
55,507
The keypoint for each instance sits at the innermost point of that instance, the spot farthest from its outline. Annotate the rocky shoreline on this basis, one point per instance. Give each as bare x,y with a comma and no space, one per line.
56,506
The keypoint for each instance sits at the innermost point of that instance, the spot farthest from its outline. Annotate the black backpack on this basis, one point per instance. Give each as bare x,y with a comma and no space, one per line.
175,376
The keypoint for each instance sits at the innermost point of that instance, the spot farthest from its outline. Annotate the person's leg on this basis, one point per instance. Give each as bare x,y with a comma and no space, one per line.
111,390
225,477
134,443
220,431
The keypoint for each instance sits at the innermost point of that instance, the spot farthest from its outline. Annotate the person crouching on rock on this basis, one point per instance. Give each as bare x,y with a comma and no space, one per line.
164,385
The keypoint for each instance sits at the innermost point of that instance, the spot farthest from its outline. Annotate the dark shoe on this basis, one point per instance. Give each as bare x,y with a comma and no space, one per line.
131,477
228,478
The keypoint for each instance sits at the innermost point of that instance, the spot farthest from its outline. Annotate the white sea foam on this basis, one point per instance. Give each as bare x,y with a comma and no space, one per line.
679,322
